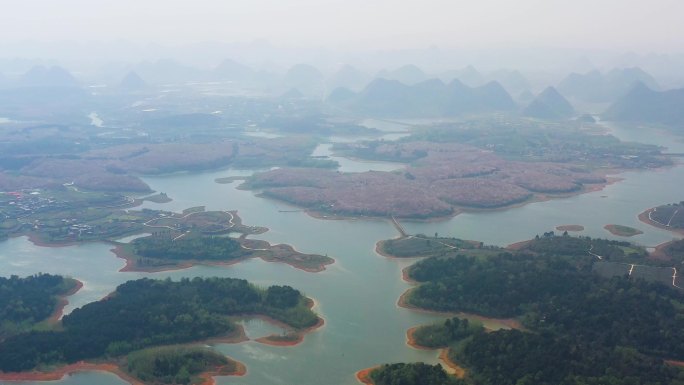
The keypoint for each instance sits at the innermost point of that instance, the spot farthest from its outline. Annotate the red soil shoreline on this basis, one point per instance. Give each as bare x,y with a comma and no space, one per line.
60,373
82,366
237,336
659,252
114,368
208,377
363,376
63,302
458,371
411,340
675,363
643,217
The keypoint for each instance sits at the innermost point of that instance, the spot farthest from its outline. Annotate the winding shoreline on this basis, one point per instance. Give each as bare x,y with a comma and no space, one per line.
411,340
456,370
63,302
132,266
272,339
115,368
363,376
534,198
644,217
62,372
510,323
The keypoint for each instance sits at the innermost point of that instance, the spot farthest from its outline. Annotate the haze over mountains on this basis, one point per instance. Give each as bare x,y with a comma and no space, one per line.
54,76
406,91
430,98
644,105
549,104
607,87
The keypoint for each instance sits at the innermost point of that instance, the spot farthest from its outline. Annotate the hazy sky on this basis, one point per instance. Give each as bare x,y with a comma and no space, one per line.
653,25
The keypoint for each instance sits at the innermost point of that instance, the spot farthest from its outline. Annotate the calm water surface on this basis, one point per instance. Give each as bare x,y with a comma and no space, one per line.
357,295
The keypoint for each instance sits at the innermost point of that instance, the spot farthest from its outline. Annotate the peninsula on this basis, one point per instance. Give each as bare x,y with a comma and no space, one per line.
555,286
133,327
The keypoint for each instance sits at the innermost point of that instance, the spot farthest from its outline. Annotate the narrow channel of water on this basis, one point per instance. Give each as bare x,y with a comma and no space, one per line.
357,295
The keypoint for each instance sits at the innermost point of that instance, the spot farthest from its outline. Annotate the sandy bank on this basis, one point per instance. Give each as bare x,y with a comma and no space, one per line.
363,376
660,254
570,228
411,339
452,367
644,217
208,377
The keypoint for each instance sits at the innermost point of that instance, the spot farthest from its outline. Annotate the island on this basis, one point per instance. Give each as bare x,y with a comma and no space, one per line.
454,168
64,216
141,324
569,296
170,250
668,217
622,231
570,228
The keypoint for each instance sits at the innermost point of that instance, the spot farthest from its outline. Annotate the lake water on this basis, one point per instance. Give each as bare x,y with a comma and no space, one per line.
353,165
357,295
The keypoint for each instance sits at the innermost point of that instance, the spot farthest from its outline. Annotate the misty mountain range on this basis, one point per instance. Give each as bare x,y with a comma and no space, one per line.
429,98
592,87
549,104
597,87
405,91
644,105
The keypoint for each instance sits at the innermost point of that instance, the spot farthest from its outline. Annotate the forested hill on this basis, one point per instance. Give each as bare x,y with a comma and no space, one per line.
149,312
585,328
27,301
